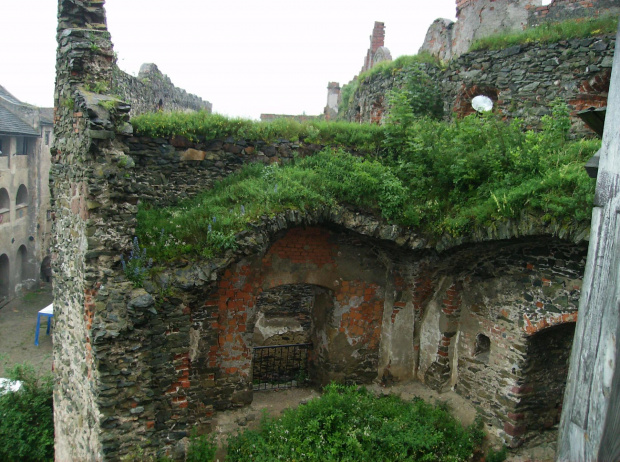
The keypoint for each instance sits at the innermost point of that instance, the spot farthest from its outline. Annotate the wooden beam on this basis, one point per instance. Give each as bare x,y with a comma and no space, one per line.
590,423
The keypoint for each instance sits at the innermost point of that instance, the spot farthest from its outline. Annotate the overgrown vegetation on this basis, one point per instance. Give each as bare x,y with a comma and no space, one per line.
26,418
202,125
550,32
137,265
351,424
201,448
439,177
407,65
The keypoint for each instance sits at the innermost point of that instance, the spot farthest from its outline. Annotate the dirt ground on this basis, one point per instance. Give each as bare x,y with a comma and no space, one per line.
17,328
18,320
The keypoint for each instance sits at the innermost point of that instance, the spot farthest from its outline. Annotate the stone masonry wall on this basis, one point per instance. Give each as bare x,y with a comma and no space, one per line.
76,410
159,360
153,91
560,10
522,81
478,19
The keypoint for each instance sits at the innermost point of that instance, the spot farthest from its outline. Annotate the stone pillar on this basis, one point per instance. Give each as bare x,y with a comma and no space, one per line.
84,133
377,40
333,99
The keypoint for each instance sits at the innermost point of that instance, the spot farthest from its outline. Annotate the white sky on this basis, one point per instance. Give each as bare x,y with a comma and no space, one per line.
247,57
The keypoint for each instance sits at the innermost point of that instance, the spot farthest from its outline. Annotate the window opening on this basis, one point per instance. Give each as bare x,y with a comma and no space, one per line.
482,348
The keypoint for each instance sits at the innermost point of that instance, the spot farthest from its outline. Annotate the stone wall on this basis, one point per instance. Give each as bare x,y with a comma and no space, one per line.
76,408
153,91
560,10
478,19
522,81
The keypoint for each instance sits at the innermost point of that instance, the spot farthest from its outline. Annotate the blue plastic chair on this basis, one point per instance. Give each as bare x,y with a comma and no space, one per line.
48,312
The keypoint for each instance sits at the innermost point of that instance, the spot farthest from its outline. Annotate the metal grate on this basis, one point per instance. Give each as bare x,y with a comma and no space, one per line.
280,366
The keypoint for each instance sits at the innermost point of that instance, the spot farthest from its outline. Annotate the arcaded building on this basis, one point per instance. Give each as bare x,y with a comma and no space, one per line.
25,139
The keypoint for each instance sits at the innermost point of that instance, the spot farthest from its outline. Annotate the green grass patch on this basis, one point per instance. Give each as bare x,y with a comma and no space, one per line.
204,126
351,424
550,32
439,178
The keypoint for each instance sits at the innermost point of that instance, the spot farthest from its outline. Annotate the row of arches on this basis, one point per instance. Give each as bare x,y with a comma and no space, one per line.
21,200
18,272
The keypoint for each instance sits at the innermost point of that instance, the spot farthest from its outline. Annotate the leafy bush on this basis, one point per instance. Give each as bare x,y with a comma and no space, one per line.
497,456
415,64
201,448
27,418
351,424
550,32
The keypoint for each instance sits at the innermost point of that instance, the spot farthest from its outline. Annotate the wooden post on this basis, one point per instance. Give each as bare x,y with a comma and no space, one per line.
590,423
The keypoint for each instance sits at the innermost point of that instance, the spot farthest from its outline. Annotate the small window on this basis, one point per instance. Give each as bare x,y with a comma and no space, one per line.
482,348
2,153
24,146
47,137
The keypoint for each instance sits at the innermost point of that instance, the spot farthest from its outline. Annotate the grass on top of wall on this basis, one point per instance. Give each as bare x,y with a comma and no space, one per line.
550,32
437,177
204,126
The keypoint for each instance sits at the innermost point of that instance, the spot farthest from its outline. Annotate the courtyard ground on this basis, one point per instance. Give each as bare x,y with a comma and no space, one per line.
18,320
17,328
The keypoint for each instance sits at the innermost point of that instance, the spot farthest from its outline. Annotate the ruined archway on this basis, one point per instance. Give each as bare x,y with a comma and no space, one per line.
343,274
289,341
544,375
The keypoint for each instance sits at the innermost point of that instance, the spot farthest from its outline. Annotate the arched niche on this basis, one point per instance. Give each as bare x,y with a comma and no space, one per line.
4,277
5,206
544,379
21,201
22,196
21,264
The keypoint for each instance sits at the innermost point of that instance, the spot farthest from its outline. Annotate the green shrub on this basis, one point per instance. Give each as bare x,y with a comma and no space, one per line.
351,424
201,448
415,64
27,418
550,32
497,456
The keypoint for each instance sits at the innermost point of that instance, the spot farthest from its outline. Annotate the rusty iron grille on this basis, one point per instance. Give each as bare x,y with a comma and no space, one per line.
280,366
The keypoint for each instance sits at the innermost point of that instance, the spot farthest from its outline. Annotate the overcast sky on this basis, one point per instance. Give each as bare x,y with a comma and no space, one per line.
246,57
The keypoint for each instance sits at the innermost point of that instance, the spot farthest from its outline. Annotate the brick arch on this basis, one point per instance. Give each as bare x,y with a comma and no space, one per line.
531,328
593,92
312,255
462,104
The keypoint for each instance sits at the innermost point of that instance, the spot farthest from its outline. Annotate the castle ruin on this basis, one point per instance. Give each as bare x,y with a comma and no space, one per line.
491,315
